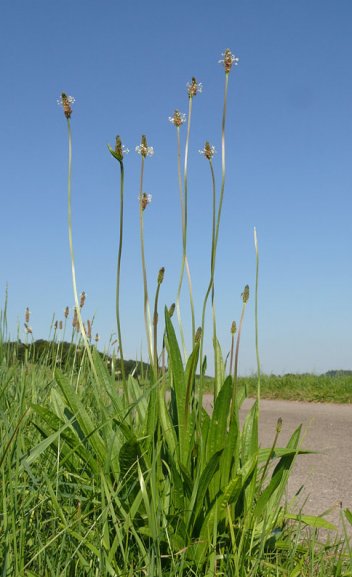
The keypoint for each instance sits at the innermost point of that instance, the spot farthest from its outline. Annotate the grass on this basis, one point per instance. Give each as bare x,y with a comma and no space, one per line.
335,388
106,478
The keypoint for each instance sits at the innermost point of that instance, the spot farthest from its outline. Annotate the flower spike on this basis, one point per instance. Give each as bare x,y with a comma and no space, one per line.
228,60
143,149
208,151
194,87
178,118
120,150
66,102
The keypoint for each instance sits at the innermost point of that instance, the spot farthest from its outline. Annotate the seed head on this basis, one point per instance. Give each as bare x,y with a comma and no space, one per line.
27,315
245,294
75,322
143,149
178,118
97,337
208,151
56,324
171,310
161,275
144,200
66,102
82,299
279,425
229,60
194,87
66,312
233,328
60,325
89,329
120,150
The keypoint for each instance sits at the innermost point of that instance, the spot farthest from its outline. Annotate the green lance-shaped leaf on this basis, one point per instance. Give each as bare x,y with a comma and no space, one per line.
200,488
311,521
217,436
82,417
108,382
219,368
178,384
249,445
282,471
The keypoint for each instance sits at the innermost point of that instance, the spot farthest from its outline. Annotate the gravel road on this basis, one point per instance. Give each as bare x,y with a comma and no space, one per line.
327,429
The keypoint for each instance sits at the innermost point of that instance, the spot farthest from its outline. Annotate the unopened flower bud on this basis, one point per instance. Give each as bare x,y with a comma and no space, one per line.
198,335
120,150
245,294
161,275
82,299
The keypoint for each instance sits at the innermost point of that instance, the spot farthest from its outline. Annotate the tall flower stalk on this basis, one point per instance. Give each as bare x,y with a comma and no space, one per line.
193,88
228,61
208,151
119,153
245,297
155,319
66,102
256,312
144,199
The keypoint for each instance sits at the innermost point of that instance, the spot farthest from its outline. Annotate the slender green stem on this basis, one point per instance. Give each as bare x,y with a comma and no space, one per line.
147,319
182,204
184,211
231,352
212,264
223,163
118,275
69,216
235,376
155,327
256,313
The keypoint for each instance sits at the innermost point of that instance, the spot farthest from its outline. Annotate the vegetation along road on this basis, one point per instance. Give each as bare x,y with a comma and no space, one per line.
326,476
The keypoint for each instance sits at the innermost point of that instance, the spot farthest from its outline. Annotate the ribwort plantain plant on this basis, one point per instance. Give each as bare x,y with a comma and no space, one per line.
140,479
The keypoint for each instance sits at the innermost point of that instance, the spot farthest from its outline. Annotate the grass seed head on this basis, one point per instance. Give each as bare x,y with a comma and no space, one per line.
66,312
97,337
82,299
27,315
233,327
245,294
60,325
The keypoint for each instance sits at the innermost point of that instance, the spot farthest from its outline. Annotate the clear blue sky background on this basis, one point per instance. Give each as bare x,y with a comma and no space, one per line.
289,165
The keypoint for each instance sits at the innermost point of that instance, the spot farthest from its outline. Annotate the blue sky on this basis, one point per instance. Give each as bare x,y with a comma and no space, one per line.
289,169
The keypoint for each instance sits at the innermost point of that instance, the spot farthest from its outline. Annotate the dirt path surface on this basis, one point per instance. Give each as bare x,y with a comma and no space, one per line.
327,428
